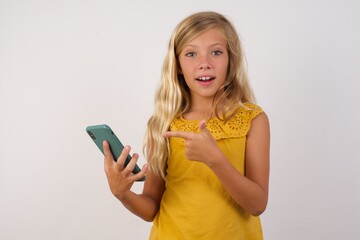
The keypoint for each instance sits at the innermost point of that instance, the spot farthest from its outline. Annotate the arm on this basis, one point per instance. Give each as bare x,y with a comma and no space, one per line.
249,191
120,179
145,205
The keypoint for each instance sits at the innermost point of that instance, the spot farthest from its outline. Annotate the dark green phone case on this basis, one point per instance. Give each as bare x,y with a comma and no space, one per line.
99,133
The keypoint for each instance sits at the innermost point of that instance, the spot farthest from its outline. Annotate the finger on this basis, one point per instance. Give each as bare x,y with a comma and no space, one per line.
202,127
142,173
131,165
108,157
178,134
122,158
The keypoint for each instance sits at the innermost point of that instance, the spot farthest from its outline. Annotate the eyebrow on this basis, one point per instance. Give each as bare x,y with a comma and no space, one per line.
211,45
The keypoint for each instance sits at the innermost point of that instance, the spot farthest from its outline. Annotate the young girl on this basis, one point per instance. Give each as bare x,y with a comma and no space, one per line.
207,143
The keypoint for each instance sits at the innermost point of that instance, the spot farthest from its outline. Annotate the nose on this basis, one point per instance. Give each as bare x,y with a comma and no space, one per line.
204,66
204,63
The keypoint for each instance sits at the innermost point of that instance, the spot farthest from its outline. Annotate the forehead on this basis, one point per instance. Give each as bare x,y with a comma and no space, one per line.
208,37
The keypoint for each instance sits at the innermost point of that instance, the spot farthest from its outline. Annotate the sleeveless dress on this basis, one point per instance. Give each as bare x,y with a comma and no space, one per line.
195,205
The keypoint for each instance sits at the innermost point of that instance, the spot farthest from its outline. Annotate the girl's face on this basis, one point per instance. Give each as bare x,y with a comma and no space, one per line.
204,62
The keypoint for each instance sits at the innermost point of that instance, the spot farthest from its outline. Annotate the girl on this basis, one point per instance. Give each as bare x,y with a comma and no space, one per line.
207,143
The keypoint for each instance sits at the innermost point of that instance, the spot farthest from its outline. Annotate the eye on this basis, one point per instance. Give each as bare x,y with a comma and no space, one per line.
217,53
190,54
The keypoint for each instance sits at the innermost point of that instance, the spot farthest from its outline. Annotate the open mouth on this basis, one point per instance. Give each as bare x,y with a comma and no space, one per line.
205,79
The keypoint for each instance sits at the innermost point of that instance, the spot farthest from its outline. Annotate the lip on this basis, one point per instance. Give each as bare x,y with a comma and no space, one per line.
205,80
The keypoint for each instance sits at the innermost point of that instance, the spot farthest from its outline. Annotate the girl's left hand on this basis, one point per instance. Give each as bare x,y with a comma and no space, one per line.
201,146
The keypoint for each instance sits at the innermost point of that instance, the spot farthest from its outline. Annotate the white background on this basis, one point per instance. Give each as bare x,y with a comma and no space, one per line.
68,64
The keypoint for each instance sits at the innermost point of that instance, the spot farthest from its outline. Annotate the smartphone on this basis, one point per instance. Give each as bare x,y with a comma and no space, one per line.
99,133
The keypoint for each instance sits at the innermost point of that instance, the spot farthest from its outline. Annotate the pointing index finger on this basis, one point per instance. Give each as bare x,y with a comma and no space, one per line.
178,134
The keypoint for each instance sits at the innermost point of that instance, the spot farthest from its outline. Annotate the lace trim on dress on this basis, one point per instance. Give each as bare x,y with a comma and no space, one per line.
237,126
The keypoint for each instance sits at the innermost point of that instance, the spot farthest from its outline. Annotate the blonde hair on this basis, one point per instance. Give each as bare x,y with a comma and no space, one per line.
173,96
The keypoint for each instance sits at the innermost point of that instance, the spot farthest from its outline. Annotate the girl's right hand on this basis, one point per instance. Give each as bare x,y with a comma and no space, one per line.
121,178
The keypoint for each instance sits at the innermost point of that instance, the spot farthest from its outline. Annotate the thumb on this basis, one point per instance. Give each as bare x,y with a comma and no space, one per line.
202,127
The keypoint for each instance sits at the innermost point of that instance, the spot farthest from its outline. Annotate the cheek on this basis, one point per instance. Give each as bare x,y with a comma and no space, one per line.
225,68
187,80
181,61
185,69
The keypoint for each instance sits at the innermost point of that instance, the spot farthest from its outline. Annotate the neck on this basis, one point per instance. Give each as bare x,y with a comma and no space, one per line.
201,109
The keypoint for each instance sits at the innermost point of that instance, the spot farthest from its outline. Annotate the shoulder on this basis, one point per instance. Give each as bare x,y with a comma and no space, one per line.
249,109
246,115
259,124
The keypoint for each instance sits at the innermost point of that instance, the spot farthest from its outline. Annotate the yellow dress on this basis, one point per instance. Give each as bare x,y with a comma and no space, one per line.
195,206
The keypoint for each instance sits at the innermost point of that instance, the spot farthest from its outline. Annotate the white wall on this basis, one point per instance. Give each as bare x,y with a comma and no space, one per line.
68,64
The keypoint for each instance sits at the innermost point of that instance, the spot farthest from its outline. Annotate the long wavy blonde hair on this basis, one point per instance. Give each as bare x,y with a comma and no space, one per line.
173,96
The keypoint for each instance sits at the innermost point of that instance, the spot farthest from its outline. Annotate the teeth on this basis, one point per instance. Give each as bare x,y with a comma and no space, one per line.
205,78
